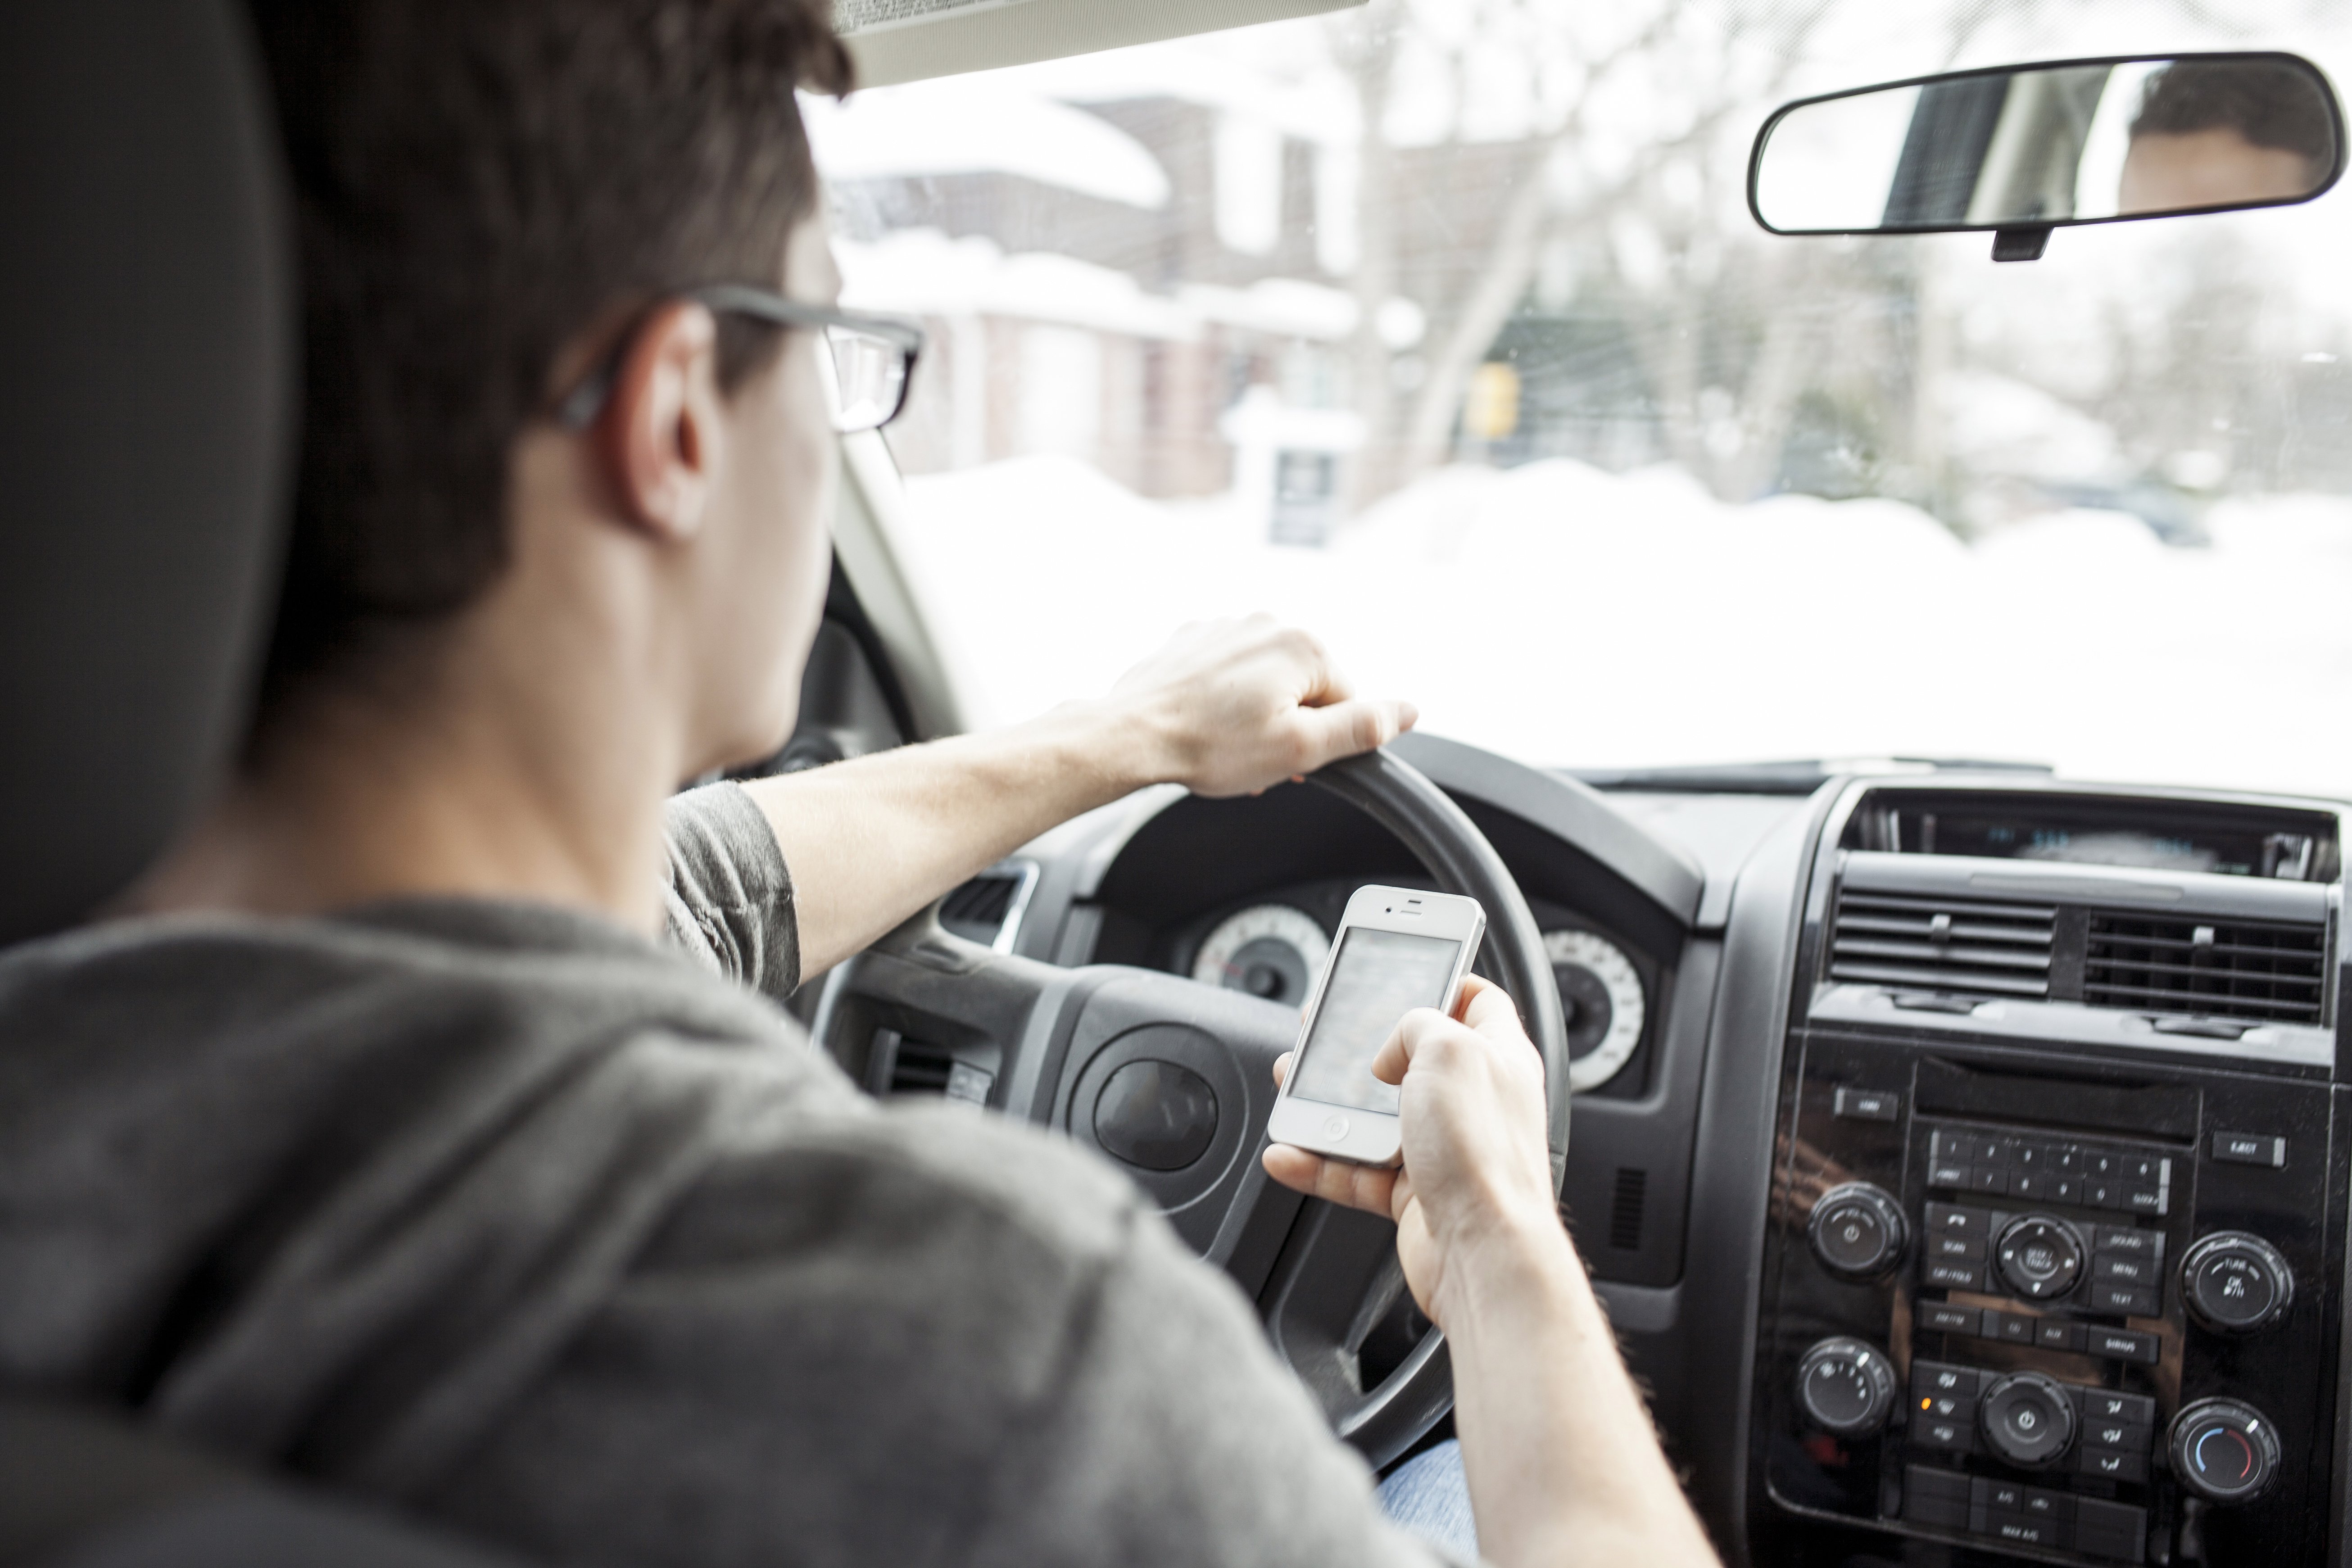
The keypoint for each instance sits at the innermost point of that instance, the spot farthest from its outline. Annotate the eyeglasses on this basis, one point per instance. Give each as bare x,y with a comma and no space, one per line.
873,356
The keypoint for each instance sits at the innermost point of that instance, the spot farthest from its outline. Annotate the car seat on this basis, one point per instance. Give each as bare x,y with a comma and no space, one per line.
146,314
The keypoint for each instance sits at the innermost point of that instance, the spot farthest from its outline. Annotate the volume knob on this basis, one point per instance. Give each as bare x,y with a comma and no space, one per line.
2236,1282
1845,1386
1857,1231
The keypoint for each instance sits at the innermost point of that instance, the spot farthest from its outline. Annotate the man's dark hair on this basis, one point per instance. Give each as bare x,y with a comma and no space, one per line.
477,183
2268,103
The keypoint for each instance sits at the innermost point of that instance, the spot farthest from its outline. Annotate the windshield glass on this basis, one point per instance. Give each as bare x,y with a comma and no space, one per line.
1443,330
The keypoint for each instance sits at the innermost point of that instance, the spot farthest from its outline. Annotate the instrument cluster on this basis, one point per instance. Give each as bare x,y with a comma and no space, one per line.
1274,945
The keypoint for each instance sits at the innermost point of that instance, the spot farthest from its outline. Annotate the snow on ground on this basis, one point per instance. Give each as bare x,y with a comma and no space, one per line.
1565,615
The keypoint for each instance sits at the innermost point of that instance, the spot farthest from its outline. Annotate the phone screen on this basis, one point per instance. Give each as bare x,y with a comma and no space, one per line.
1378,977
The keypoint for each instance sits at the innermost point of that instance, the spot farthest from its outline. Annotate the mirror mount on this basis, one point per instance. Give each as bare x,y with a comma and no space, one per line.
2025,242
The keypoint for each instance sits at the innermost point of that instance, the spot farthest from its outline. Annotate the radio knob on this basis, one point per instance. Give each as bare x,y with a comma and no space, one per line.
2039,1257
2236,1283
1857,1231
2224,1451
2027,1419
1845,1386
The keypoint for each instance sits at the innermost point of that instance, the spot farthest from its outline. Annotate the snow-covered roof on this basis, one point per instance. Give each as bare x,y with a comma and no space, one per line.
922,272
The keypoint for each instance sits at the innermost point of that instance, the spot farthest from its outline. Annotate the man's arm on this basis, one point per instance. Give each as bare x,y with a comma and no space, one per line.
1226,707
1555,1439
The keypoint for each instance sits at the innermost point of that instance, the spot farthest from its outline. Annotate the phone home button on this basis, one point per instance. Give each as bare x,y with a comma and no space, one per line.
1335,1127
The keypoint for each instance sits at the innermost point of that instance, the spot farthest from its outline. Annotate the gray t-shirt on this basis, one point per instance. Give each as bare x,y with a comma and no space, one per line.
512,1218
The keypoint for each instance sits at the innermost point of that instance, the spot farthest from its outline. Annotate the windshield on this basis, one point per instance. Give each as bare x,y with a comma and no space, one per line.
1444,330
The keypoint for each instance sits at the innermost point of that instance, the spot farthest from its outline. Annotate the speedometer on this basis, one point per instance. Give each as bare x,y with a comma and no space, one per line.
1601,996
1267,950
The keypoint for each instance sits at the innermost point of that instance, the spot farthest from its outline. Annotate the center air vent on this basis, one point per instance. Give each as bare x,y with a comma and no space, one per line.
1943,944
988,909
2243,969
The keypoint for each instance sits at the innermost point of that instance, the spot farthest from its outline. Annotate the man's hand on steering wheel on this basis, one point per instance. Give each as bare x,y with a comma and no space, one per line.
1233,706
1475,1166
1226,708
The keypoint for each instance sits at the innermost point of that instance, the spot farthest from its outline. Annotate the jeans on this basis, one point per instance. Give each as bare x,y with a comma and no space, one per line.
1429,1496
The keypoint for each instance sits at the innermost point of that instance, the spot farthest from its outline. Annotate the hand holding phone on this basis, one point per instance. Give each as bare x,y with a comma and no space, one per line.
1397,948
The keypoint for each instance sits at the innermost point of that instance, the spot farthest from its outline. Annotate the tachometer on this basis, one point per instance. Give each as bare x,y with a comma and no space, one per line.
1267,950
1603,997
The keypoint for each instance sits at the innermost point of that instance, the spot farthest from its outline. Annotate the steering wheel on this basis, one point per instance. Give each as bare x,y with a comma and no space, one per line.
1173,1080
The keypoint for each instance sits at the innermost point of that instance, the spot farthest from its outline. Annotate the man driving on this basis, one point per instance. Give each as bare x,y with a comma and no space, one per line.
429,1125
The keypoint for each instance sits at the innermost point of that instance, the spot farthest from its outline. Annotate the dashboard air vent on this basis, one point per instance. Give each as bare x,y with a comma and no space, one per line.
1943,944
917,1066
2243,969
988,909
920,1069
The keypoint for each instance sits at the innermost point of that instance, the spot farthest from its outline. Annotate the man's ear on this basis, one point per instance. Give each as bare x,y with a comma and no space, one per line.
659,436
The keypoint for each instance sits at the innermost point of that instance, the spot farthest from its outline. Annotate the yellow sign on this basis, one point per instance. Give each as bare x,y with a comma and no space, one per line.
1492,410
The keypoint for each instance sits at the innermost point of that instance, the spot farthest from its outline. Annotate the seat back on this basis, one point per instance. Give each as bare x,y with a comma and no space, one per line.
147,347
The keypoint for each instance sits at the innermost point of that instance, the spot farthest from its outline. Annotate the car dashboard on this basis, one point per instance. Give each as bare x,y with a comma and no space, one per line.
1960,1155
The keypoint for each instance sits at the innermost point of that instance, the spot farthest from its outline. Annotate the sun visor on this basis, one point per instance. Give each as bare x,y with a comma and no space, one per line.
908,40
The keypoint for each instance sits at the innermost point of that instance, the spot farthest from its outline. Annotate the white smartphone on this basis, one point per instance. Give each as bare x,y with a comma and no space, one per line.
1398,949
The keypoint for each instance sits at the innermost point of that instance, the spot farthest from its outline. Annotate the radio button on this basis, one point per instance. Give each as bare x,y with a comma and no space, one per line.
2130,1241
2011,1327
1942,1319
2250,1149
2039,1257
1868,1104
1953,1276
2128,1301
2057,1334
2122,1344
2124,1269
1951,1220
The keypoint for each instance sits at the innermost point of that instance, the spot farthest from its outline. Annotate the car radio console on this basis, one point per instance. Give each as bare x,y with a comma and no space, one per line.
2053,1256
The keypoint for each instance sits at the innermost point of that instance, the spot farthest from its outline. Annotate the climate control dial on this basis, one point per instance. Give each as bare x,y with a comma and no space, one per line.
2236,1282
2224,1451
2039,1257
1845,1386
1857,1231
2027,1419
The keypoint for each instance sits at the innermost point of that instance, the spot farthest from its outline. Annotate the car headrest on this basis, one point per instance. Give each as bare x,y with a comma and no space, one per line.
147,343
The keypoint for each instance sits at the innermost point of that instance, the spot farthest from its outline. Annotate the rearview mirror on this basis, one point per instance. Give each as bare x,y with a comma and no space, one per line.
2021,149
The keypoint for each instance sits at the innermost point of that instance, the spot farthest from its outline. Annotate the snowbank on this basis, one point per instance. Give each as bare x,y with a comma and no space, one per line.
1567,616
